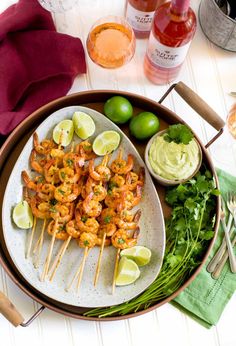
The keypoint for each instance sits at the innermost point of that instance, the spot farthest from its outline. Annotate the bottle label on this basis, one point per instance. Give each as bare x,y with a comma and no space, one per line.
165,56
140,21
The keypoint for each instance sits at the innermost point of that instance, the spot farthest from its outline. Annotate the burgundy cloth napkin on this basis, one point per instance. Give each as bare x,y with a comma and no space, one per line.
37,64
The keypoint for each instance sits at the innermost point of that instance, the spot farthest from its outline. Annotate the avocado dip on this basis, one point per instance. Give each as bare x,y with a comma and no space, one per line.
174,161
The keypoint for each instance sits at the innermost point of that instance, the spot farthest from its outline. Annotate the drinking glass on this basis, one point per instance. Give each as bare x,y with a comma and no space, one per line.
231,120
58,5
111,42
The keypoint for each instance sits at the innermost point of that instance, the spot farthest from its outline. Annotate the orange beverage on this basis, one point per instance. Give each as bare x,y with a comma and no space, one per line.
231,121
111,42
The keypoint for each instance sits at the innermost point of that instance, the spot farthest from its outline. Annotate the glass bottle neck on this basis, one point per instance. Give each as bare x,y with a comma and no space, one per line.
179,7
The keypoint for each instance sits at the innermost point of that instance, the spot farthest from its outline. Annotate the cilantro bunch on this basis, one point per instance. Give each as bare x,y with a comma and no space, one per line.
188,232
178,133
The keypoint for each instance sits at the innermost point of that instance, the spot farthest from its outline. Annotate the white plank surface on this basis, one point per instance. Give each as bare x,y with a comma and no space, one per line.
211,72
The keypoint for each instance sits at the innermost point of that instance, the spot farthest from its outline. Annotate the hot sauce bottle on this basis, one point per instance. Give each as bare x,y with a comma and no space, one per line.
139,14
173,28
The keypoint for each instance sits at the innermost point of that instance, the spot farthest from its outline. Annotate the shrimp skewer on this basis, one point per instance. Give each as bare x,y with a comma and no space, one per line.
107,229
39,244
100,172
99,260
71,225
73,231
121,239
31,237
115,270
120,166
49,255
76,274
58,259
87,240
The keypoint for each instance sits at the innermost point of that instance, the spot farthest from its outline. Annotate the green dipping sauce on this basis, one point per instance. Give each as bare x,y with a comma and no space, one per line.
174,161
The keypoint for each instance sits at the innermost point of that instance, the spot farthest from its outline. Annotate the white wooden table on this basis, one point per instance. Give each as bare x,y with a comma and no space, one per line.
211,72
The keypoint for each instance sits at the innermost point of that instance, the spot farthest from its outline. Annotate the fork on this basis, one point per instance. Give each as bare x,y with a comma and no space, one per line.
217,271
231,204
232,208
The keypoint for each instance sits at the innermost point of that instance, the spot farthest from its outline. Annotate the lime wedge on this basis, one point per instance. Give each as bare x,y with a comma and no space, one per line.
83,124
63,132
22,215
140,254
106,142
127,272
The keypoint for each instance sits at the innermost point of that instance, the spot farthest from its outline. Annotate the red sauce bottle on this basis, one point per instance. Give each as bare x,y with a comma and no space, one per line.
173,28
139,14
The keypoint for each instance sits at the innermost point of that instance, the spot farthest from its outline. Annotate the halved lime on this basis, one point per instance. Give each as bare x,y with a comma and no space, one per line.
106,142
63,132
127,272
83,124
22,215
140,254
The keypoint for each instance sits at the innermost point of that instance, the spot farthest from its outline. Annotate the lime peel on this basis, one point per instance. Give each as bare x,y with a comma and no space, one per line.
106,142
22,215
83,124
63,132
141,255
127,272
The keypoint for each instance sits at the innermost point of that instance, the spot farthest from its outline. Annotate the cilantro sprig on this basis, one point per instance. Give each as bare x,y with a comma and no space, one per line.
188,232
178,133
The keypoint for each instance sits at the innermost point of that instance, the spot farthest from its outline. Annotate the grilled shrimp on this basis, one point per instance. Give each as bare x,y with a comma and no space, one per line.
91,207
44,147
72,229
122,240
59,228
67,193
120,166
100,172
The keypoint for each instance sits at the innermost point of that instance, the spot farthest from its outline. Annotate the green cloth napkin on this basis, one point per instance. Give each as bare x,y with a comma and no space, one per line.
205,298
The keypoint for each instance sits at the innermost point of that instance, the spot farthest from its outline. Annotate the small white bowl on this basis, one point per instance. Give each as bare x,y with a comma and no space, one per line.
161,180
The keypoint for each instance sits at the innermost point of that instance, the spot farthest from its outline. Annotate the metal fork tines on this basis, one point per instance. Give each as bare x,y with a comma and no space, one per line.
217,258
231,204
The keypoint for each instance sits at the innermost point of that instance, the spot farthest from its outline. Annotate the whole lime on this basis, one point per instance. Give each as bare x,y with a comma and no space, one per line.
144,125
118,109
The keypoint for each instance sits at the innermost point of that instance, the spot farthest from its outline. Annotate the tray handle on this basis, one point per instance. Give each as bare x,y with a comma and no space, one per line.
199,105
9,311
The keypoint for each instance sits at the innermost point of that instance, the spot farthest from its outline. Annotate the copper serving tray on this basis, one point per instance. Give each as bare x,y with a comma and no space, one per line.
94,99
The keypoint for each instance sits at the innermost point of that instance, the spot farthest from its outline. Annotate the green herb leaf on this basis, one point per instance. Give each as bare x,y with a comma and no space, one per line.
121,241
107,219
61,191
178,133
53,201
63,175
70,162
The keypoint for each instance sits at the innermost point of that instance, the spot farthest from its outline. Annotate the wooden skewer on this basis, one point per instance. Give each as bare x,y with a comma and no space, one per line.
99,259
39,244
31,237
57,256
82,268
115,270
49,255
75,275
58,259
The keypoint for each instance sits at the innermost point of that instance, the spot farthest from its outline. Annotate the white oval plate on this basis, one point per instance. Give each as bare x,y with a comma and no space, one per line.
151,224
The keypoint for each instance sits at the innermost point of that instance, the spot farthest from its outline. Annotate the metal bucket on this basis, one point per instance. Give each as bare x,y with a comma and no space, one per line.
217,26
